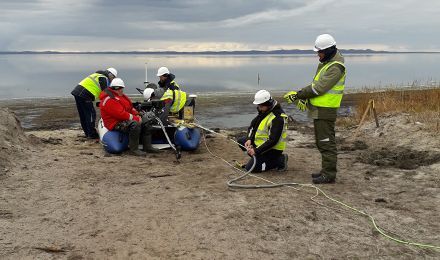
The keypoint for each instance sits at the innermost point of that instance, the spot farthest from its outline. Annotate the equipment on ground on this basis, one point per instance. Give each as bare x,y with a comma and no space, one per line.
179,134
323,42
114,142
162,71
232,184
261,97
113,71
187,138
179,138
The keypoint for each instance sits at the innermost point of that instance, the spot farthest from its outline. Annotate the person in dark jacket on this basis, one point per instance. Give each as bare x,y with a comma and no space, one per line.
85,93
266,136
174,99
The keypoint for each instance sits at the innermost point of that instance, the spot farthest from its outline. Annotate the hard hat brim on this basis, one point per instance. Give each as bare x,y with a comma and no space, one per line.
316,49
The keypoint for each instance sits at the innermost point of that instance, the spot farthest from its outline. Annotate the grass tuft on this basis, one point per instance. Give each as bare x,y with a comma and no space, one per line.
422,105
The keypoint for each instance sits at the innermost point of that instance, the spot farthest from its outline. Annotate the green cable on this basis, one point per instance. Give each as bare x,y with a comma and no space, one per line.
373,221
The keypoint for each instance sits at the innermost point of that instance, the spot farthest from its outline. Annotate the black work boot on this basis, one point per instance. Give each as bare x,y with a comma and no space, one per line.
137,153
147,146
283,166
133,141
316,175
323,179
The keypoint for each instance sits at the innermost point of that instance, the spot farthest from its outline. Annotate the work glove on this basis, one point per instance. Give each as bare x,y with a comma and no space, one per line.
136,118
290,97
302,104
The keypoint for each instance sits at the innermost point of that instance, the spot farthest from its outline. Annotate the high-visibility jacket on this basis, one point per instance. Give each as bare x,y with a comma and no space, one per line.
177,96
333,97
263,132
91,83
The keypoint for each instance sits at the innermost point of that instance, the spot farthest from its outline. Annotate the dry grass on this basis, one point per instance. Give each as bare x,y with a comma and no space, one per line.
422,105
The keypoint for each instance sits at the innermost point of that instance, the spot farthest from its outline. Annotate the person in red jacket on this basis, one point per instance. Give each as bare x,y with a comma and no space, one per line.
118,114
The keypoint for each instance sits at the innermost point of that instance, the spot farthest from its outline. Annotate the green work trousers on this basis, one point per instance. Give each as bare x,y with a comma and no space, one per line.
326,143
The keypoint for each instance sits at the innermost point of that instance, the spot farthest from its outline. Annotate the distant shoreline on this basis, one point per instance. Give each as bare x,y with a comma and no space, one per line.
250,52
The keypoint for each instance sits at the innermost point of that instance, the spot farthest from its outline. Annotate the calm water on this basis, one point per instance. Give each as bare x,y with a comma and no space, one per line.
39,75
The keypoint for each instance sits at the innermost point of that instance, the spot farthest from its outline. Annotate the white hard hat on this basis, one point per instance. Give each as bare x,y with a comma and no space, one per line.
261,96
323,42
113,71
117,82
147,93
162,71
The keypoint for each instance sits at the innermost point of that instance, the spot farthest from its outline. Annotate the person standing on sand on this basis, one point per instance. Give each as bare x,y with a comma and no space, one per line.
322,99
85,93
266,136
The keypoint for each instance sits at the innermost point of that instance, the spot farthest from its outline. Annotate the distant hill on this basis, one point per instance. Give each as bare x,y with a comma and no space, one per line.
250,52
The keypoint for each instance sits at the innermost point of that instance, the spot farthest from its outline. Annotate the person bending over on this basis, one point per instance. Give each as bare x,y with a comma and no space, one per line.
85,93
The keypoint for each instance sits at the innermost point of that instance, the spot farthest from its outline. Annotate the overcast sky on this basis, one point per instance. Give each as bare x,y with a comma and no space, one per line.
198,25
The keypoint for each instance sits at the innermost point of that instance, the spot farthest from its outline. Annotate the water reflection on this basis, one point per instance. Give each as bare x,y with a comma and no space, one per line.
41,75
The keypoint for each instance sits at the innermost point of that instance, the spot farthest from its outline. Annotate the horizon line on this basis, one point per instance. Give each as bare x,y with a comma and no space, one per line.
278,51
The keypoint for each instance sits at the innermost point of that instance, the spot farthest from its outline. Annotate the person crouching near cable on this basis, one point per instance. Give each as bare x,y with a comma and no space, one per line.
118,114
266,136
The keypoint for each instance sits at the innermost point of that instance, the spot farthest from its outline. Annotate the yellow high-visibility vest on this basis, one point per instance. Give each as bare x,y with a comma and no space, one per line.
263,132
91,83
333,97
178,96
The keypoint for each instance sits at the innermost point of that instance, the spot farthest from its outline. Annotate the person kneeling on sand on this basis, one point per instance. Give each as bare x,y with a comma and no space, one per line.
118,114
266,136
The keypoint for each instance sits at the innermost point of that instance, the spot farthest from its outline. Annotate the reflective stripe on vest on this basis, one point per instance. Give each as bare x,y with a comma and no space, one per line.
177,96
333,97
175,84
91,83
263,132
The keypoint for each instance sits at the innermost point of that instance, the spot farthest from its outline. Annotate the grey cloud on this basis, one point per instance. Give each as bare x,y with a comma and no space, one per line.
405,23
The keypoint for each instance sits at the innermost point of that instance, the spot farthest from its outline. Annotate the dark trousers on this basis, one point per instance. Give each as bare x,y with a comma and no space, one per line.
326,143
269,160
133,129
87,116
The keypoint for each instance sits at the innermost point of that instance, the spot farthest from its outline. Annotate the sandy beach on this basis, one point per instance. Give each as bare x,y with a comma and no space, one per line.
63,197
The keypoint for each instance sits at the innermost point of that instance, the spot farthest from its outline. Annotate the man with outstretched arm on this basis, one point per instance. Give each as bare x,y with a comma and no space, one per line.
322,99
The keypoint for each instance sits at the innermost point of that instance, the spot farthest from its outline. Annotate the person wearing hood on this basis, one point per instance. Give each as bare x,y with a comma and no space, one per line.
85,93
322,98
118,114
174,99
266,135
